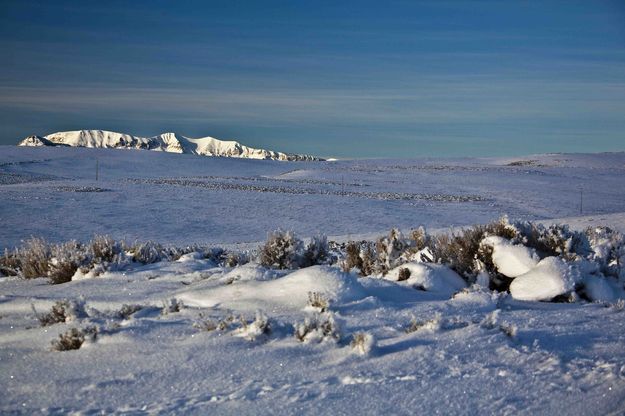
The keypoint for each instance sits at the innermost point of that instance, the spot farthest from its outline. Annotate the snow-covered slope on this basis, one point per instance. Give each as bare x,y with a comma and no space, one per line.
166,142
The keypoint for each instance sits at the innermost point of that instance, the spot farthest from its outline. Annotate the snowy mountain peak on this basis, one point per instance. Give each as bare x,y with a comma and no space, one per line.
36,141
166,142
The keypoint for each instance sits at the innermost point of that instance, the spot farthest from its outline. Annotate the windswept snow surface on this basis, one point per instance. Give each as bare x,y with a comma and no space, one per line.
428,344
479,353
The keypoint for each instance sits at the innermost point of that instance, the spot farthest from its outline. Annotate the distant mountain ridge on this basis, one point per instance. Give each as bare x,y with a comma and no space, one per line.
166,142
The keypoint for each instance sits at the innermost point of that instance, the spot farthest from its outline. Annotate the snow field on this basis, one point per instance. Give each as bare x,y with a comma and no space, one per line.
470,353
199,336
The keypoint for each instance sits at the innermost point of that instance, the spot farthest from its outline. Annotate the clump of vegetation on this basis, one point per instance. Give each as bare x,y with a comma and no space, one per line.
318,301
420,238
554,240
172,305
58,262
34,257
65,260
404,274
362,343
509,330
608,247
205,324
147,253
62,311
127,310
388,251
74,338
433,324
316,252
491,321
234,259
319,327
281,250
464,252
9,263
104,249
360,256
258,327
226,323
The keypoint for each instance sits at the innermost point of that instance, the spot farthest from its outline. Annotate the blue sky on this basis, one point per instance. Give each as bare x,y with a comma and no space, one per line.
359,79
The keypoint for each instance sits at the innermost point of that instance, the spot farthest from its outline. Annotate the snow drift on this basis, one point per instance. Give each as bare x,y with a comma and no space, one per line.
551,277
290,292
430,277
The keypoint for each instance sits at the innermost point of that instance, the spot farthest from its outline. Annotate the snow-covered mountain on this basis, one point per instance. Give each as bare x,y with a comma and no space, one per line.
166,142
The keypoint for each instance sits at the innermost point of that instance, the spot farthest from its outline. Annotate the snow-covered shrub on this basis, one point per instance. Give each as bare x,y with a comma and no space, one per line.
34,258
361,256
433,324
420,238
258,327
608,247
62,311
509,330
362,343
318,328
104,249
205,324
172,305
225,323
65,259
282,250
418,246
318,301
352,256
225,258
466,255
316,251
9,263
174,253
127,310
554,240
460,251
235,259
148,252
74,338
491,321
388,250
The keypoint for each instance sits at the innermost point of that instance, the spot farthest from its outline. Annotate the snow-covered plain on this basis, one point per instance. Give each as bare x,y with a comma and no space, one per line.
427,351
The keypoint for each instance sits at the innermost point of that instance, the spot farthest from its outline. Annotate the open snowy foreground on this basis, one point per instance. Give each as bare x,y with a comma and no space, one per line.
477,353
531,322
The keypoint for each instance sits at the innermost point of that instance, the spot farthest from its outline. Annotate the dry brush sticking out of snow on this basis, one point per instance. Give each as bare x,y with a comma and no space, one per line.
531,261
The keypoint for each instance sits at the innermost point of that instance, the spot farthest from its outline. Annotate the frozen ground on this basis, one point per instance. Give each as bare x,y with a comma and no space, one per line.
476,352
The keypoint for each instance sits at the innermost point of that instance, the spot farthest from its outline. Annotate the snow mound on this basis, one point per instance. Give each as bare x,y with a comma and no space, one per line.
290,292
250,272
601,289
511,260
551,277
431,277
